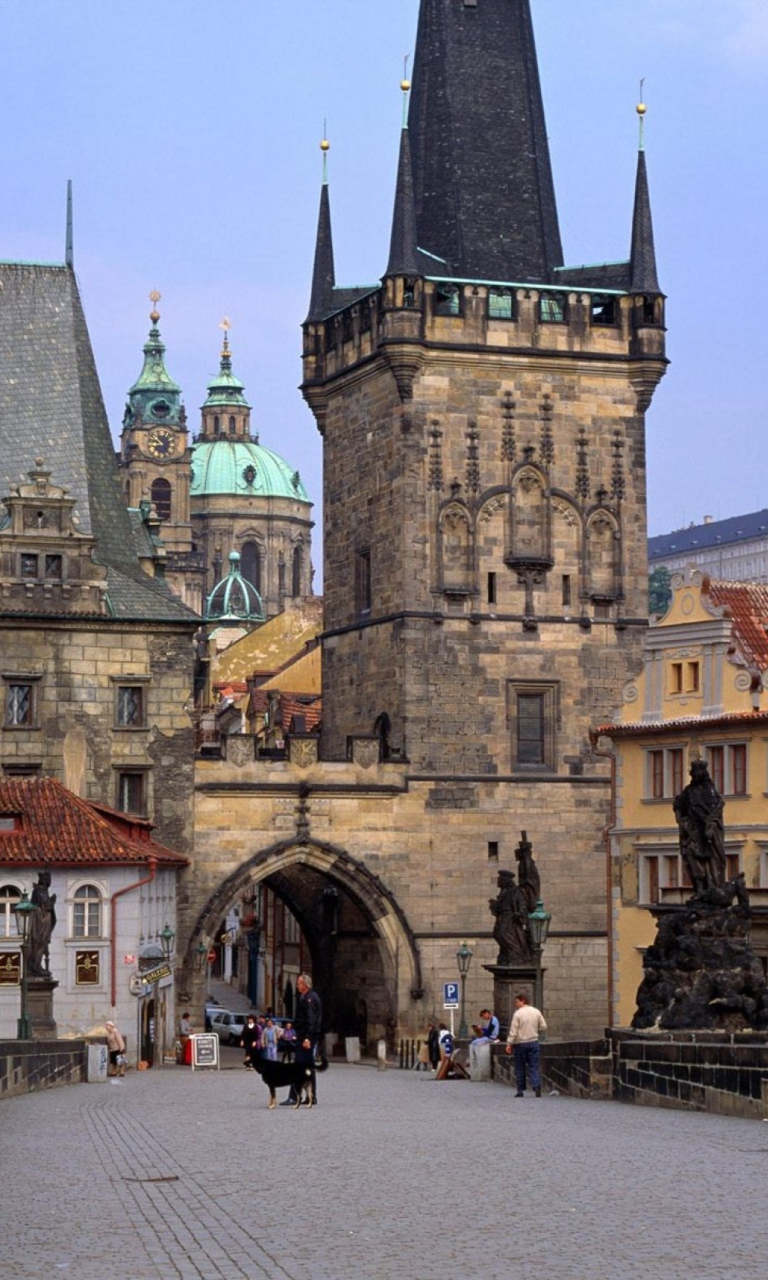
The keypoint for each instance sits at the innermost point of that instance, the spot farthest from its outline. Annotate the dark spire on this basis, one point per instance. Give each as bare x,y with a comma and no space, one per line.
69,253
485,200
324,273
403,257
643,277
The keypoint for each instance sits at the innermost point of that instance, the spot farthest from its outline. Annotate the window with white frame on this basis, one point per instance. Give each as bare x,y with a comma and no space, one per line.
728,767
662,873
9,896
664,772
87,903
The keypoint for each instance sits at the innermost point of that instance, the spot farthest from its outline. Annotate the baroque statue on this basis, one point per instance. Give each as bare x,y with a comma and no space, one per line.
41,926
699,813
511,929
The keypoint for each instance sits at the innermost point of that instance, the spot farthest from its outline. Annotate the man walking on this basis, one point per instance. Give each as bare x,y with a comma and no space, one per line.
526,1026
308,1025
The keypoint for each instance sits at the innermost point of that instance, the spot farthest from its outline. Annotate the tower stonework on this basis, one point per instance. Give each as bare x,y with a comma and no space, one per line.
483,422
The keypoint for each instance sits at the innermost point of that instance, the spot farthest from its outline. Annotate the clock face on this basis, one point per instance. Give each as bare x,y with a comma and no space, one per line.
160,443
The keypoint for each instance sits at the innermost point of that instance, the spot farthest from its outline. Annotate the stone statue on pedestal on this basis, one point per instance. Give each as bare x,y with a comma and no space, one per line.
41,926
511,928
699,813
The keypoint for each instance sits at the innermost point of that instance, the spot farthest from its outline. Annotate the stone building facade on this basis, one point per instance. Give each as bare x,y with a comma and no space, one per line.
483,416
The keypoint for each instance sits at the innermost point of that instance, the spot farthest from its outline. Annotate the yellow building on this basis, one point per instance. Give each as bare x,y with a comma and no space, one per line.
701,694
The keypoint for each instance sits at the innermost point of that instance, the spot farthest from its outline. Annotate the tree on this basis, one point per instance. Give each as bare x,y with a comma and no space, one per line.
659,590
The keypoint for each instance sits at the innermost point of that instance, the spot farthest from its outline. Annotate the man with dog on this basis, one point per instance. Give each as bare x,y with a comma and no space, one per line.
308,1025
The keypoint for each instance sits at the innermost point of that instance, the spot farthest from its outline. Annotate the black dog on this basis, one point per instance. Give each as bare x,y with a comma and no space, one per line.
296,1075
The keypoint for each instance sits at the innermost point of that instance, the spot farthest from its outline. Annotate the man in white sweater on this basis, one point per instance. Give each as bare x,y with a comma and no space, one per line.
524,1031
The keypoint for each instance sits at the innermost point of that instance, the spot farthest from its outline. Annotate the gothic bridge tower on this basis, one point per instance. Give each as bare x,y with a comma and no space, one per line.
483,418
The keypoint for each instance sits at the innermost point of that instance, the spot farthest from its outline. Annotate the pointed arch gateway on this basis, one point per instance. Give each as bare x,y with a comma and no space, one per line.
365,960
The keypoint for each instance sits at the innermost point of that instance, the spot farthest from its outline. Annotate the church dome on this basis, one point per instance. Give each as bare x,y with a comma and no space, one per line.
234,598
242,467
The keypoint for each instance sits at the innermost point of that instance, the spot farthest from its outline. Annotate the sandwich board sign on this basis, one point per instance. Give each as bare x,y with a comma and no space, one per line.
205,1050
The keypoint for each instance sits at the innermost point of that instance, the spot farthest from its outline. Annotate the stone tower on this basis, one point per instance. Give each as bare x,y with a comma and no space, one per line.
483,420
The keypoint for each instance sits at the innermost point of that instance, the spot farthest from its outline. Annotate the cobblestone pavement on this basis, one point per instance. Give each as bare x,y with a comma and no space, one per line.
175,1175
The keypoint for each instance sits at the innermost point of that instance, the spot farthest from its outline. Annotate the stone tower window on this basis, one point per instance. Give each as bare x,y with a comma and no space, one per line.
447,300
232,424
603,309
552,308
250,564
296,572
363,598
216,424
161,496
500,304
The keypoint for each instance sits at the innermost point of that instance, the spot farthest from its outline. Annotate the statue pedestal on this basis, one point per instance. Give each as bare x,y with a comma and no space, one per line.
40,1008
508,981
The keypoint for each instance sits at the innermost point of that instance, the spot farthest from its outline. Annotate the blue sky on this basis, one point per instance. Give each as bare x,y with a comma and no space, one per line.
191,131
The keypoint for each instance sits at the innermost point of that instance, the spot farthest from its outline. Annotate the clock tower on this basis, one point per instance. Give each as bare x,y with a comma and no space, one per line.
155,462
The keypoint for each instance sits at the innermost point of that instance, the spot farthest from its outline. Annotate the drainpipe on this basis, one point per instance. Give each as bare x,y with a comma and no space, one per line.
113,922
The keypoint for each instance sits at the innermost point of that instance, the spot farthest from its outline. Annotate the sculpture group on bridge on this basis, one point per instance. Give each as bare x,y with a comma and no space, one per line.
512,906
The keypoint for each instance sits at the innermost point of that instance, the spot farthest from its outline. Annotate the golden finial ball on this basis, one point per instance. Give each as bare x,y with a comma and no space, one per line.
405,85
325,145
641,108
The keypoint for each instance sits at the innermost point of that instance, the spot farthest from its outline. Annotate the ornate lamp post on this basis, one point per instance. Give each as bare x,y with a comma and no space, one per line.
167,939
538,923
23,911
464,958
201,955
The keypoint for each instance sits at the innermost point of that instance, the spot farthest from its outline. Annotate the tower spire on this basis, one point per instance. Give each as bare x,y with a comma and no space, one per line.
69,254
403,255
485,199
643,274
324,273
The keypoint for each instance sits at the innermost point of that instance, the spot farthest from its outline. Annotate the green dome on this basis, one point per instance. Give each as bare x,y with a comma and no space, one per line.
234,599
240,467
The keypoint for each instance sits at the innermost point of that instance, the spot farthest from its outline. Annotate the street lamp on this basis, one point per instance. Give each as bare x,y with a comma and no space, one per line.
538,924
464,958
167,939
23,910
201,956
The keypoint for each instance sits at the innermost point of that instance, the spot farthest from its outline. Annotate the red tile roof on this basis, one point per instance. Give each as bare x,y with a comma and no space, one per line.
637,728
747,604
55,828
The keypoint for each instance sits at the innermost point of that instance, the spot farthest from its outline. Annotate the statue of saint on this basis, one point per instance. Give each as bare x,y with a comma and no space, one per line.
528,877
41,925
699,813
511,928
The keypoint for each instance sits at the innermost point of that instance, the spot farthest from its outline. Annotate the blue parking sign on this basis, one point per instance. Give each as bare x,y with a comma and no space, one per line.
450,995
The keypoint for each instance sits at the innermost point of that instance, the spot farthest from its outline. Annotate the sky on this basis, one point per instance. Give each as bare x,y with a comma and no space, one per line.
191,131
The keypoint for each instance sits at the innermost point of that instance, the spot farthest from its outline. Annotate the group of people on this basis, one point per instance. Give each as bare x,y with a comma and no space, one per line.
265,1038
522,1043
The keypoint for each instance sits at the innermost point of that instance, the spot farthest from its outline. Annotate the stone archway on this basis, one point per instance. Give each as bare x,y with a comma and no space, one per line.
364,955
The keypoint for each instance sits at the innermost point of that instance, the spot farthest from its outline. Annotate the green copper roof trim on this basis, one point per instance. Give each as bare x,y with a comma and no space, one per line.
243,468
234,597
154,376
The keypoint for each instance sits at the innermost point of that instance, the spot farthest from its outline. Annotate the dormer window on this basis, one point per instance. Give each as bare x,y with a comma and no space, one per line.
552,308
447,300
603,310
500,304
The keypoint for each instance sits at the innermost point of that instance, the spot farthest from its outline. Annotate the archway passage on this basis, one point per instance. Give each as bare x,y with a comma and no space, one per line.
363,955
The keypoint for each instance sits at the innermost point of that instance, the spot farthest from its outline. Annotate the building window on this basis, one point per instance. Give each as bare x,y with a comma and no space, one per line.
447,300
216,424
131,792
500,304
19,706
53,568
363,581
533,711
728,768
131,707
161,496
232,424
296,572
566,589
603,309
28,564
552,308
492,588
662,875
9,896
250,564
664,773
86,912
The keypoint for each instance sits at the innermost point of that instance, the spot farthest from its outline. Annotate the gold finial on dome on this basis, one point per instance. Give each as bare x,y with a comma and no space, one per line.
325,145
641,110
154,298
226,325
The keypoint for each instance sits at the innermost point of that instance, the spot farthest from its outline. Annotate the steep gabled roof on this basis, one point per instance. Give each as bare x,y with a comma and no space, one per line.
55,828
485,199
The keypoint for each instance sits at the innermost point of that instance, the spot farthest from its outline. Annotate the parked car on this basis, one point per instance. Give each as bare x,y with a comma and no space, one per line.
228,1026
211,1007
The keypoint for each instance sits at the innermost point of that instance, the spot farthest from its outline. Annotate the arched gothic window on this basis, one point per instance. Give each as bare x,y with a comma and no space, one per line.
9,896
161,496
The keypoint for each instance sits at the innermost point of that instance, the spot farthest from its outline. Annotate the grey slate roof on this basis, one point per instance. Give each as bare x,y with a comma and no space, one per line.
403,251
51,408
715,533
485,198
